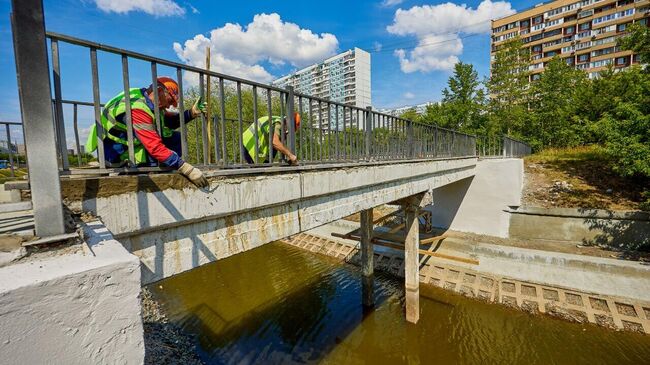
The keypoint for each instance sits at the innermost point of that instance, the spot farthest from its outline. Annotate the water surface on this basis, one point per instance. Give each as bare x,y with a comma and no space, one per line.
280,305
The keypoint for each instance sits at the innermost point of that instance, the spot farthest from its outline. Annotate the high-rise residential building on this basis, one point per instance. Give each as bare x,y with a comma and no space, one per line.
419,109
583,33
343,78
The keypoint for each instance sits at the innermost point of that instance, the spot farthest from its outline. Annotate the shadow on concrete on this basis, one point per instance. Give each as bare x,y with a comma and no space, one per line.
629,234
446,202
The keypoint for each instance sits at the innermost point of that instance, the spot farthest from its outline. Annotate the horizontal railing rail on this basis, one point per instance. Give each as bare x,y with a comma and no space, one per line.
330,132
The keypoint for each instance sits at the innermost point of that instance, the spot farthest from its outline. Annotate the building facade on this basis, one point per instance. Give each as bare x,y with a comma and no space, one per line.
419,109
583,33
344,78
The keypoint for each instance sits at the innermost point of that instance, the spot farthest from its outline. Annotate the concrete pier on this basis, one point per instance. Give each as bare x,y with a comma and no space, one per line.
411,261
367,258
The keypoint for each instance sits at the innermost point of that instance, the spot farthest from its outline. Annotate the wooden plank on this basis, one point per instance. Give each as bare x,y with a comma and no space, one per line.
391,244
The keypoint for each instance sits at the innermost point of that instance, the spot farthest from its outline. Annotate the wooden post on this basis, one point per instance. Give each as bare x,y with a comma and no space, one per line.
207,116
411,263
367,258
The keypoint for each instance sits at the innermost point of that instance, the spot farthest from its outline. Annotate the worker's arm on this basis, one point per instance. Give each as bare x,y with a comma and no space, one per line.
145,131
278,145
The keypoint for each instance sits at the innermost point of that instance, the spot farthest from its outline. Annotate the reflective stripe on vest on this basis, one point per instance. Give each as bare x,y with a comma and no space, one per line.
248,137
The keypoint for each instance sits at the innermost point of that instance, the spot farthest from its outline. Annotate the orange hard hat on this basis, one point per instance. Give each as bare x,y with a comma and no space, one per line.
296,118
171,86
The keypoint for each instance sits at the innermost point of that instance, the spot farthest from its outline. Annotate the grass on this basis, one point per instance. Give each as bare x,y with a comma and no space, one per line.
5,174
589,171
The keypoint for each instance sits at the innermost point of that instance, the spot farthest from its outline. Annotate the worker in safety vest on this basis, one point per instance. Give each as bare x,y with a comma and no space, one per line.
263,125
148,145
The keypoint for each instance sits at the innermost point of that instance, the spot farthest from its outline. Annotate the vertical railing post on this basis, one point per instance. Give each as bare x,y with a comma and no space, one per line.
291,123
58,106
504,146
409,138
368,132
30,50
11,152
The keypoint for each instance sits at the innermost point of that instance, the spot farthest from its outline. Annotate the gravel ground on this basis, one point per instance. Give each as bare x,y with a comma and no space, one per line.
164,342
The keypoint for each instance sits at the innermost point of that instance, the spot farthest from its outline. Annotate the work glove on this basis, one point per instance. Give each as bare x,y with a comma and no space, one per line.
199,107
193,174
293,160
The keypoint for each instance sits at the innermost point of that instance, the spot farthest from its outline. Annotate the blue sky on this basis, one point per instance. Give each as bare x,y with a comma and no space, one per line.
432,35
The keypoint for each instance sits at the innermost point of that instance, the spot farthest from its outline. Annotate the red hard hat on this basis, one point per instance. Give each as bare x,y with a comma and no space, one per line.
171,86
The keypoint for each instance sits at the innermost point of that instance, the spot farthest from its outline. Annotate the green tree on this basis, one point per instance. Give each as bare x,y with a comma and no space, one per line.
553,105
638,41
508,87
463,100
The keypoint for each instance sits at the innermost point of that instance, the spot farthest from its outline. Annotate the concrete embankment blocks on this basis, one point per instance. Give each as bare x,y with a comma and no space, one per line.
77,308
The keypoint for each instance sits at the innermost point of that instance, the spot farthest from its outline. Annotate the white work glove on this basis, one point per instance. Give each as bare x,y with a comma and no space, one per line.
293,160
193,174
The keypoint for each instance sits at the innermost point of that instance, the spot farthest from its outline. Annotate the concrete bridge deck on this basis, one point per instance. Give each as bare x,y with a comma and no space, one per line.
173,227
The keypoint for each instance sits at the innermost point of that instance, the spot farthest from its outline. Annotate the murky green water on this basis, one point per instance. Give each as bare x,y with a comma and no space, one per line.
280,305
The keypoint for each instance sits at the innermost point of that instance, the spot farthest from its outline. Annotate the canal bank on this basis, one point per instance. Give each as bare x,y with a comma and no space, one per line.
279,304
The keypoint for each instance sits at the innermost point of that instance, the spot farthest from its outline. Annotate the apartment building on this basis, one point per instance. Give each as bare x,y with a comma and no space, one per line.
419,109
343,78
583,33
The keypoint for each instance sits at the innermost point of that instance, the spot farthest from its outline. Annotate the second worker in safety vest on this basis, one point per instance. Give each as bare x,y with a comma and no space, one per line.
263,125
149,146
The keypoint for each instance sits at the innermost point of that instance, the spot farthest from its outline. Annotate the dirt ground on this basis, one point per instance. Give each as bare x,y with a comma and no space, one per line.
578,178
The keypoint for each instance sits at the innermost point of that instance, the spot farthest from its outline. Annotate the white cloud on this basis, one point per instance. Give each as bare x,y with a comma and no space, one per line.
376,46
194,10
238,51
437,28
390,3
153,7
408,95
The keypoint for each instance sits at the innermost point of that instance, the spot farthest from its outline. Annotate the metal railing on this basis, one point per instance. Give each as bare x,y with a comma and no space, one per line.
501,147
14,156
330,132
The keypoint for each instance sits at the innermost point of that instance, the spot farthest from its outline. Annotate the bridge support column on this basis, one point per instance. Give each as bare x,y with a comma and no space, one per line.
412,206
411,264
367,259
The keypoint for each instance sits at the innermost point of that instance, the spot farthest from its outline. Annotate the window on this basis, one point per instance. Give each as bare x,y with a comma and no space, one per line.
586,13
524,24
584,26
536,57
552,33
620,14
537,48
621,61
570,61
568,49
535,77
550,54
538,27
583,57
601,63
583,45
570,18
570,30
537,19
621,27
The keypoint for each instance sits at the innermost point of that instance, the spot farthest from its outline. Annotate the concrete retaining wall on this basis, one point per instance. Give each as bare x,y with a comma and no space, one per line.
629,230
74,308
477,204
175,230
611,293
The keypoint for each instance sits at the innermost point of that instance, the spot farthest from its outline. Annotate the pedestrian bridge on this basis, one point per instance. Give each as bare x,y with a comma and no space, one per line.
173,226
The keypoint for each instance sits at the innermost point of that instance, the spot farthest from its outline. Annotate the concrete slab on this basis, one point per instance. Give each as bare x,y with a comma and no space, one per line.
75,308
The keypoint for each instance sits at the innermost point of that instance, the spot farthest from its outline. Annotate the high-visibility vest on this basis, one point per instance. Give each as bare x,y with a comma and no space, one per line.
248,137
110,119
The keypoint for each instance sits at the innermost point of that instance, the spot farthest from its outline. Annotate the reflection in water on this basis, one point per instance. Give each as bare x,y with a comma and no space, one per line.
279,304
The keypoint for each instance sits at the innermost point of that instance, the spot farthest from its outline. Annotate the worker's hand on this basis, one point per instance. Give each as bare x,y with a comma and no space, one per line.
293,160
193,174
199,107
